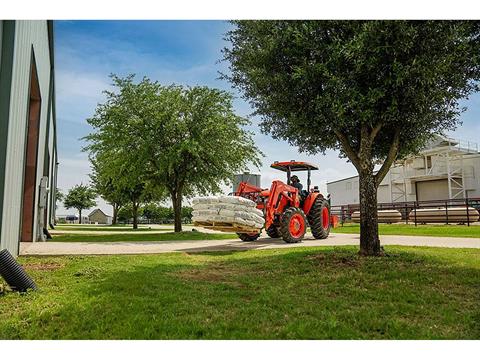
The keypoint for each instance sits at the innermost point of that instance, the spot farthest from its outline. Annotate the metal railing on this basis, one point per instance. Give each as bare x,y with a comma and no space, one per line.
413,212
457,144
154,221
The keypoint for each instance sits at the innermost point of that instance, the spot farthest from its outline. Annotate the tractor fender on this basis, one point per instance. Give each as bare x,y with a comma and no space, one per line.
309,201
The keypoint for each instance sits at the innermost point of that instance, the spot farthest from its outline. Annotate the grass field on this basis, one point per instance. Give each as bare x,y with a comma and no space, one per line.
420,230
108,228
140,236
301,293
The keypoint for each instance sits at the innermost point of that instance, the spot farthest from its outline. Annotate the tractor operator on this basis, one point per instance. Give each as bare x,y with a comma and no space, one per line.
296,183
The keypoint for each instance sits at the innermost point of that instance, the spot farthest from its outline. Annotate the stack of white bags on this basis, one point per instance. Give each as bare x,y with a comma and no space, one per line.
227,209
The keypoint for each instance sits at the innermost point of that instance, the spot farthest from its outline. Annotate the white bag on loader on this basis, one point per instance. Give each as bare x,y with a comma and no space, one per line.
227,213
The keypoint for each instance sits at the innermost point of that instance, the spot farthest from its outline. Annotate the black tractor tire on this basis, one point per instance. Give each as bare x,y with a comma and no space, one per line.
316,219
273,232
285,226
248,237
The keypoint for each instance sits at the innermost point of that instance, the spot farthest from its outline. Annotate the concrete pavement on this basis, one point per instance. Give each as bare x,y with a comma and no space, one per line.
144,229
154,247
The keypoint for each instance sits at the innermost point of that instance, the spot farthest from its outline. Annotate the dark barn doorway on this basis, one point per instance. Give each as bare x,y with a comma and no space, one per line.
30,171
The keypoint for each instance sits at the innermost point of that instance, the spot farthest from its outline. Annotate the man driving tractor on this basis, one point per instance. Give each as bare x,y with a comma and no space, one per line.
296,183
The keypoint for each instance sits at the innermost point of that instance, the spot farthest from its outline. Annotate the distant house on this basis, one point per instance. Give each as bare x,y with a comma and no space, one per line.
97,216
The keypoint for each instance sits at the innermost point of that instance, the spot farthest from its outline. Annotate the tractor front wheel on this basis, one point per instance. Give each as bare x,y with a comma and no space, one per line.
293,225
272,231
248,237
319,218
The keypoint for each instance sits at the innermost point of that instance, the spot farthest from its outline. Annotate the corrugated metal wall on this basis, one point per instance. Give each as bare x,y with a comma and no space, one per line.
1,35
51,151
28,35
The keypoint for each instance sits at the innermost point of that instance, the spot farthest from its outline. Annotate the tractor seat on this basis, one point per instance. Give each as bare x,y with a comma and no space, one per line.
303,196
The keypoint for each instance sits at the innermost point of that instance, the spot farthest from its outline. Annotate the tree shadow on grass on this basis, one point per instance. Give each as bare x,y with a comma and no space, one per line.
299,294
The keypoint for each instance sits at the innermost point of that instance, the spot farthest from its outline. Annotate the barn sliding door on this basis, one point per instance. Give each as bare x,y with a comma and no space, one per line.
31,155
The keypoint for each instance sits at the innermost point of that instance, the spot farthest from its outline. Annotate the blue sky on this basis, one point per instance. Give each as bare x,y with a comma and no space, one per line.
182,52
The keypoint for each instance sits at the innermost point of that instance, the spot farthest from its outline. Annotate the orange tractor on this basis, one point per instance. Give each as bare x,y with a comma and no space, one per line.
287,210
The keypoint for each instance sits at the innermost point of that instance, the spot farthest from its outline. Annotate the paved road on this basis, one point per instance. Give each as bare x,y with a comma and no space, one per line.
153,247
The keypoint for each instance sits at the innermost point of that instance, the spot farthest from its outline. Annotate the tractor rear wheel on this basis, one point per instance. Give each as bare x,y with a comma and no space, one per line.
293,225
248,237
272,231
319,218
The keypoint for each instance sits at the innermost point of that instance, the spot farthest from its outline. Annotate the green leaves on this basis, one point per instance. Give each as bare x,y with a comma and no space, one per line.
185,140
80,197
308,79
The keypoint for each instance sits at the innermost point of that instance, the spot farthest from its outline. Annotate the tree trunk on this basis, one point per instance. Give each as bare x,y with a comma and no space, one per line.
369,240
177,210
135,215
115,214
79,216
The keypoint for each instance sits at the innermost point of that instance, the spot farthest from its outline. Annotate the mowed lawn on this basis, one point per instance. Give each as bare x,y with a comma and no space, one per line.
297,293
106,228
140,236
419,230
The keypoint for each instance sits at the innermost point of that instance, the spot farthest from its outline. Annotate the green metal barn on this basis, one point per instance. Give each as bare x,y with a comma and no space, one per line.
28,150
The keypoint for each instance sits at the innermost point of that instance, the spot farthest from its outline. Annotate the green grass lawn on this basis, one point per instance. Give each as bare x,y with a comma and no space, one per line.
140,236
113,225
107,228
298,293
420,230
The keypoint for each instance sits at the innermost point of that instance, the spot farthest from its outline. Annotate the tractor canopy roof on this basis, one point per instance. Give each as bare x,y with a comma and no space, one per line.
293,165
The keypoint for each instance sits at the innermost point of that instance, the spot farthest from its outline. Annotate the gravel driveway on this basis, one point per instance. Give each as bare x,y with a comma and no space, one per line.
153,247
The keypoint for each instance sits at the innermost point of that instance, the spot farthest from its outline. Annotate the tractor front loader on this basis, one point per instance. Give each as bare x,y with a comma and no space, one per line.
288,212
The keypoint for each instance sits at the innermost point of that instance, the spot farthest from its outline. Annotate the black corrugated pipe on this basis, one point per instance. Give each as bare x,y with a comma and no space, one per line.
13,273
47,233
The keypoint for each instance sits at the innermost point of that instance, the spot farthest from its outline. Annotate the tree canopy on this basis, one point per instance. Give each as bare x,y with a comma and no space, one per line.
375,90
158,213
80,197
121,182
187,140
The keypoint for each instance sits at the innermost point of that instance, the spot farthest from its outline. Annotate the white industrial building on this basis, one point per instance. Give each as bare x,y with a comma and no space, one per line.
28,150
445,169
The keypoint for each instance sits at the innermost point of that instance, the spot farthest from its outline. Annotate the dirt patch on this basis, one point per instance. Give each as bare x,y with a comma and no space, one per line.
214,274
43,266
335,259
203,275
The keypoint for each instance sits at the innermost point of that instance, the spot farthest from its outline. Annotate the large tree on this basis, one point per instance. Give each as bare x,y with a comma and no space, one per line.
375,90
119,169
80,197
187,140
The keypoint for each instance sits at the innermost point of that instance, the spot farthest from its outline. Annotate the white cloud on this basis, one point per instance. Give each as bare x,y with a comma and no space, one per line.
72,85
73,171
